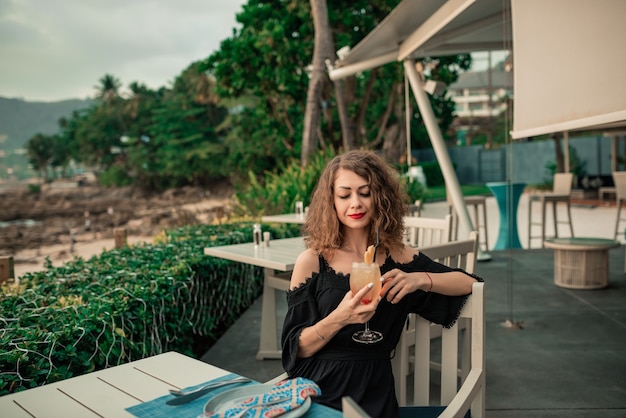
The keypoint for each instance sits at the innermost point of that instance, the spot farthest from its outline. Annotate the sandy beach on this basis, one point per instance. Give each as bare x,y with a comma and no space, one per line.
32,260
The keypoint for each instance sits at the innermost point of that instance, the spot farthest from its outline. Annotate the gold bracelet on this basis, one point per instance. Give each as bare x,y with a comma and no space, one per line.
318,334
431,281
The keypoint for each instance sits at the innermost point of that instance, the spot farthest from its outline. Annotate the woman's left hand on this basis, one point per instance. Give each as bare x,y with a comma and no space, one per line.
398,284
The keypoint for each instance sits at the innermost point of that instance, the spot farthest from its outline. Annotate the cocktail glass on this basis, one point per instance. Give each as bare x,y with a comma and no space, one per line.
361,275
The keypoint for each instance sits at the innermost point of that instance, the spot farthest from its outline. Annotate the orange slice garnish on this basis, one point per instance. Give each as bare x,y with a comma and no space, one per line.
368,257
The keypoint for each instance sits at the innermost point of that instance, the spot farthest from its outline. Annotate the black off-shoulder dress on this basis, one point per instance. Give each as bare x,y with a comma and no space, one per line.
347,368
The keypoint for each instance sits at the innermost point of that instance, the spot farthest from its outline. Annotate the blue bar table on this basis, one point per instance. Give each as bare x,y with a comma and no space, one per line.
507,195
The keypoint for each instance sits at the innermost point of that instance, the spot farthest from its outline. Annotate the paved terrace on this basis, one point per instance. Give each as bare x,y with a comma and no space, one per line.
567,359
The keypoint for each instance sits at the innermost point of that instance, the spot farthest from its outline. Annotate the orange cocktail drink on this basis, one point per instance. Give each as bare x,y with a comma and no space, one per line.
362,274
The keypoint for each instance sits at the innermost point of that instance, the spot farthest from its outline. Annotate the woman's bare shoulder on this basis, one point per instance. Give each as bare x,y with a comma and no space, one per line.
307,263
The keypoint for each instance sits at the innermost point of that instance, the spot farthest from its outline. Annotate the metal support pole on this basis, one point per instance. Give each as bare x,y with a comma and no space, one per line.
439,146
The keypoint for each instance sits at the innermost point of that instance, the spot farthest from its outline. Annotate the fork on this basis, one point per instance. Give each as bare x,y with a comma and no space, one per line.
240,379
182,397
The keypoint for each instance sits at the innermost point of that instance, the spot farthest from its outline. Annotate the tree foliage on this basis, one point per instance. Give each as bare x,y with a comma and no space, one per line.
270,58
185,134
39,151
187,147
153,139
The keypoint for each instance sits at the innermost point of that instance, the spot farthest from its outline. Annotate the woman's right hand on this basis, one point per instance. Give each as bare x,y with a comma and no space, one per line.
352,311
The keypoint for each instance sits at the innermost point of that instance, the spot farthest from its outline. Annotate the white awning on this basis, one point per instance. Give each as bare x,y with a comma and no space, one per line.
568,55
420,28
569,65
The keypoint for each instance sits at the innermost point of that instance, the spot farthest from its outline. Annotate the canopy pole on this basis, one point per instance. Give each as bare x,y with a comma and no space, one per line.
567,164
407,121
439,146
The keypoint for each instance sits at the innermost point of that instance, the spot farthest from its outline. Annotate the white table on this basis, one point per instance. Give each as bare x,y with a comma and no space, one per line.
108,392
277,260
286,218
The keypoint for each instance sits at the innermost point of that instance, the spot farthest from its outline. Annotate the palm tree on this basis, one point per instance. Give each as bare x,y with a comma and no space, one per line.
108,89
316,81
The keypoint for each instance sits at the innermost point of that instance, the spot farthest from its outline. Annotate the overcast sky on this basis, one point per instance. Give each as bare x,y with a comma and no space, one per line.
59,49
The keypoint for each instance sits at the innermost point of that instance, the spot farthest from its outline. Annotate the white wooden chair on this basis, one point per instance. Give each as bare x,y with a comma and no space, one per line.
423,232
351,409
460,254
456,398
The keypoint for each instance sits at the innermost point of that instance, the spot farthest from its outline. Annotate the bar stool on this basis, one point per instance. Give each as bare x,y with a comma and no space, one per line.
476,202
561,189
415,209
619,179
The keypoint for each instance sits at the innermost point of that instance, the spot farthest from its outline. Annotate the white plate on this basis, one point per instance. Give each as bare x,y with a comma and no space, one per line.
228,399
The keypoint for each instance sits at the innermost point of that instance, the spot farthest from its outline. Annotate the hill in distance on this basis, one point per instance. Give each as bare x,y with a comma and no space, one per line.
20,120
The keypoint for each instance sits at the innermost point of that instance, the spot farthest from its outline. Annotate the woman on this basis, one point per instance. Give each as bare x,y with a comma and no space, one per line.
357,195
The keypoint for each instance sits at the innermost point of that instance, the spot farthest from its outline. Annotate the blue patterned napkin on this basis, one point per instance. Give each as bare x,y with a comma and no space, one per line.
294,391
157,408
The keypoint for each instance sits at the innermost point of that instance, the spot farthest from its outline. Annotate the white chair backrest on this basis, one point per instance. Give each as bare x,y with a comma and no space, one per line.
459,254
470,394
562,183
351,409
619,179
423,232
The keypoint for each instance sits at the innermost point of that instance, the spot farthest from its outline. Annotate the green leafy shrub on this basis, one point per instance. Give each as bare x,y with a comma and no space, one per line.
577,166
125,304
115,176
414,189
433,173
278,191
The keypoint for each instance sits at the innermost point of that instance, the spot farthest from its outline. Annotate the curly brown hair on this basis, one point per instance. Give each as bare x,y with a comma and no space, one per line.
322,229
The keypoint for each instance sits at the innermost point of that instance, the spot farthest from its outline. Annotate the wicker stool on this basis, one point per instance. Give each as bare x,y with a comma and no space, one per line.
581,263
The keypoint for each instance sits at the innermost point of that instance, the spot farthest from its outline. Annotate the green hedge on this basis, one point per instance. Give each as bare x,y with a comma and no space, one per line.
432,171
124,305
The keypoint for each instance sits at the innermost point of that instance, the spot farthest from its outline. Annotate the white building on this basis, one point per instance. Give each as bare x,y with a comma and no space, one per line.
481,94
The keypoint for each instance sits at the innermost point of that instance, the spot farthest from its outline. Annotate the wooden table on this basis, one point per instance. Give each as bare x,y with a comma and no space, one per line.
581,263
108,392
277,260
606,190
